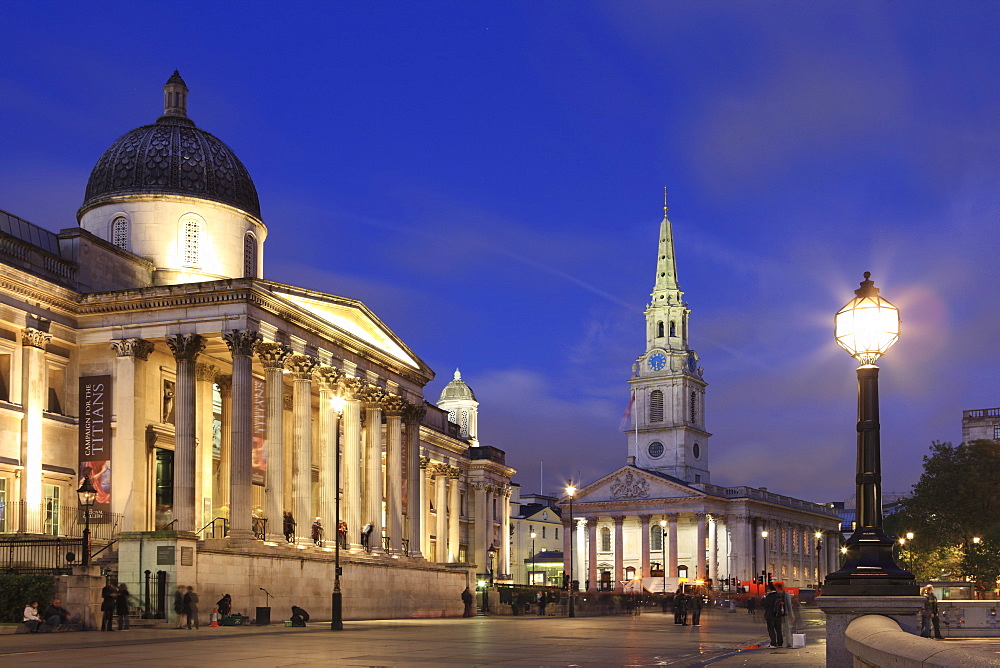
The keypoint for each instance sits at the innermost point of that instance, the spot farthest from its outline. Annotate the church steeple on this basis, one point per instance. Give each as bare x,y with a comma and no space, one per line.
666,265
666,315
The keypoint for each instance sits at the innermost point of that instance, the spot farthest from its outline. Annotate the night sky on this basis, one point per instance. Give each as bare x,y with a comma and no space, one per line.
488,178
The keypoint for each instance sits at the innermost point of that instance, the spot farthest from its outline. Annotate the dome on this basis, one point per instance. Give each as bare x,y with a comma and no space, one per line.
172,157
456,390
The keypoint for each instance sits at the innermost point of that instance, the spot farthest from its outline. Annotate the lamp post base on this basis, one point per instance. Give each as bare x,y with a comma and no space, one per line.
337,623
870,569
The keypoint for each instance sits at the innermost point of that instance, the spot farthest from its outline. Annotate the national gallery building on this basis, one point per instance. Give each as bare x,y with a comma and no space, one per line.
144,349
658,521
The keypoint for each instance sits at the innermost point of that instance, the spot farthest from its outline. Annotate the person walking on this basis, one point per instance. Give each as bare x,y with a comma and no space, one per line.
109,605
695,605
680,607
342,534
467,602
122,607
790,618
931,608
541,599
317,532
752,606
191,607
774,609
288,526
179,607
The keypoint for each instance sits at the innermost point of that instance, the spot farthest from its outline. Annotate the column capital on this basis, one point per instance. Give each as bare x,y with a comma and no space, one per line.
644,519
300,366
137,348
414,414
618,520
395,405
327,377
425,463
186,347
373,396
225,383
352,387
242,342
671,517
272,355
454,472
35,338
205,372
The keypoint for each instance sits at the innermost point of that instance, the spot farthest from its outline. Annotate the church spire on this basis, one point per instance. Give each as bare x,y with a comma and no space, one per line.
666,265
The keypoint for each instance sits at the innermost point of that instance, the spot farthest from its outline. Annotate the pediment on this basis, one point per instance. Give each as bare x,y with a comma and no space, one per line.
631,483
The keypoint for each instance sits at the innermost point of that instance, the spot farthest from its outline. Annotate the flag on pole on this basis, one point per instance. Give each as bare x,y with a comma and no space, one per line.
628,414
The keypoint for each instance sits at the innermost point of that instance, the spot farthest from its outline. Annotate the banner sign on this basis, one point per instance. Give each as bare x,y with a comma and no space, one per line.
259,421
95,442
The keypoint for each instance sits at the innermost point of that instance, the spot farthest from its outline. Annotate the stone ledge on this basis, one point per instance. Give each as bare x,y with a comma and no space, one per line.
879,641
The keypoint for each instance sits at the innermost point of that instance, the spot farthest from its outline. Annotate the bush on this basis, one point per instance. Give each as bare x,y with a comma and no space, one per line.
17,591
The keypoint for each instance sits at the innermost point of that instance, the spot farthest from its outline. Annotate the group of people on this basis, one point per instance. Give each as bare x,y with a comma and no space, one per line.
186,607
115,603
56,617
683,604
779,615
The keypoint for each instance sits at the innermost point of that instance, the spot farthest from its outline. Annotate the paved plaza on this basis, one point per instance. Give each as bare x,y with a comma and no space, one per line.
651,639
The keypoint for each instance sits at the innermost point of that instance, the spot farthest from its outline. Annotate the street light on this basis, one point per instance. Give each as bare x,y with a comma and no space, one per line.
531,577
819,546
337,618
86,495
766,579
663,549
866,327
571,492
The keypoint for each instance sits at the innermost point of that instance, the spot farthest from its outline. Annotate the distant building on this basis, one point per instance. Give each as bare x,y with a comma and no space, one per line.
536,560
661,509
981,424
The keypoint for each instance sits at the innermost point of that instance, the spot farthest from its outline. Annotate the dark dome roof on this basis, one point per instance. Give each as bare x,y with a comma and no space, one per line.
172,157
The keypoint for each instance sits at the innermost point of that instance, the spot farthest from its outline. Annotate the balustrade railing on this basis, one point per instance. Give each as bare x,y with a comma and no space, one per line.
56,521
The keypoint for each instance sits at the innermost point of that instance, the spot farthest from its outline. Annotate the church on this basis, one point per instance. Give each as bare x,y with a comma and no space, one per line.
658,521
214,411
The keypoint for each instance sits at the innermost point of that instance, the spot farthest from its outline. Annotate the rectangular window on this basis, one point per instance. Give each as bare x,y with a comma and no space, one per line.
996,432
5,377
55,403
543,532
3,505
557,533
52,510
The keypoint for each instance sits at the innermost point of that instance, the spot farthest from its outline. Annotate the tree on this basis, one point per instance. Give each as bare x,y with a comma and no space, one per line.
981,562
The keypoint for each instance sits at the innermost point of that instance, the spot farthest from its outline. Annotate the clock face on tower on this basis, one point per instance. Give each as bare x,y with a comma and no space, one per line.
657,361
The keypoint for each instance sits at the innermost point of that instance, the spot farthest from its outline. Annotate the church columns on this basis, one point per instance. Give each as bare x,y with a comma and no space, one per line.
224,500
126,460
301,367
505,531
482,528
619,573
712,569
394,409
329,425
644,542
672,546
592,553
373,398
440,504
242,344
415,486
186,348
700,545
453,513
567,525
272,357
204,386
351,473
426,472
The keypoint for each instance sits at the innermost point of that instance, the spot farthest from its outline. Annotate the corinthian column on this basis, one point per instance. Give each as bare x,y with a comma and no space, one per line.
414,481
204,375
329,424
301,367
592,554
373,398
33,401
351,482
453,512
127,462
619,552
272,357
441,504
394,408
225,383
700,545
186,348
242,344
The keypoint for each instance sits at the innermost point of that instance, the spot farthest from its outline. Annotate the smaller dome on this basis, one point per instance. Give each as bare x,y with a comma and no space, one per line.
456,390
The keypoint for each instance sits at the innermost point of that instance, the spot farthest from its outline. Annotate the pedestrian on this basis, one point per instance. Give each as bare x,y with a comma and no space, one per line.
680,607
191,607
694,603
317,532
121,607
774,609
57,616
179,607
467,601
299,616
752,606
31,618
342,534
931,605
541,599
225,605
789,619
288,526
109,605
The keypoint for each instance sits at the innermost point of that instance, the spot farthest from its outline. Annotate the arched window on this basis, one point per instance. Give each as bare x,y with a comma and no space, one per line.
656,406
655,538
605,539
249,256
119,232
673,329
659,329
192,242
682,571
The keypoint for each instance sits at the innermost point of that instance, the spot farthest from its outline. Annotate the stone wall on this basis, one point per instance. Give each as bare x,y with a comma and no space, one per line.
874,640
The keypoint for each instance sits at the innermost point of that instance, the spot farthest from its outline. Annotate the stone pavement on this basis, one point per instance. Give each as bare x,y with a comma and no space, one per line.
724,639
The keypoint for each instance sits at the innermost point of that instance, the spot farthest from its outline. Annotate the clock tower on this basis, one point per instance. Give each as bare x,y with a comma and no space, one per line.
668,417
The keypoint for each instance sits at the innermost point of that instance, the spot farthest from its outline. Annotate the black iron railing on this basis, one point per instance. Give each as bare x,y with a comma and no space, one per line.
56,520
27,556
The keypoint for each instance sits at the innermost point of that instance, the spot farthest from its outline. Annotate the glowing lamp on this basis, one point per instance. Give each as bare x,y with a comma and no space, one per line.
868,325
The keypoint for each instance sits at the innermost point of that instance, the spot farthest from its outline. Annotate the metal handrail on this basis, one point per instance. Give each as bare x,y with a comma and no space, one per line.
168,524
225,527
103,548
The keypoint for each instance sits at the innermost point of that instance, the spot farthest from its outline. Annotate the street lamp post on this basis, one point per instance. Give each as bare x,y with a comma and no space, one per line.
819,546
571,492
866,328
86,495
531,577
767,574
663,550
337,617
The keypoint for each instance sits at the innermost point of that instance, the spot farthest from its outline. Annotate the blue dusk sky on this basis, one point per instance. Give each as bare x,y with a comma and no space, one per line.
488,178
